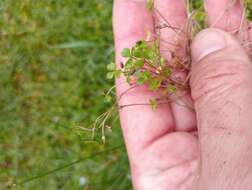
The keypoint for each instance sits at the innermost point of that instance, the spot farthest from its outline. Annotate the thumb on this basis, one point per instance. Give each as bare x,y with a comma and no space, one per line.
221,83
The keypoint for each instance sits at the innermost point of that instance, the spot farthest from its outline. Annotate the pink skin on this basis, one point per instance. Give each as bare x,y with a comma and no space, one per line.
164,153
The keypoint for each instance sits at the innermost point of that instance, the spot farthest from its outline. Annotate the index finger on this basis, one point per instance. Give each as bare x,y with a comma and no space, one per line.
141,125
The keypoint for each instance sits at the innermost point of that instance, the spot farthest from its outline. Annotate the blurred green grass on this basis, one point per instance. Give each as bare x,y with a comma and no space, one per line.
52,75
53,56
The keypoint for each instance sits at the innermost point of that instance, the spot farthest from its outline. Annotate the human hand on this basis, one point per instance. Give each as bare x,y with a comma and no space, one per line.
163,150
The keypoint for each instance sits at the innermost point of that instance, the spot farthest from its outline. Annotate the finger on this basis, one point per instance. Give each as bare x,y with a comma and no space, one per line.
225,14
230,16
248,45
221,83
141,125
170,20
171,23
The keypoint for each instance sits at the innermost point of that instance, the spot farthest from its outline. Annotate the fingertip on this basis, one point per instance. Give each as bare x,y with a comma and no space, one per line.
131,19
206,42
213,40
225,14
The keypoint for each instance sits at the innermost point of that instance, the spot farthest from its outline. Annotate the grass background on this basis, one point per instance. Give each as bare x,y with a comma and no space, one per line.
53,56
52,75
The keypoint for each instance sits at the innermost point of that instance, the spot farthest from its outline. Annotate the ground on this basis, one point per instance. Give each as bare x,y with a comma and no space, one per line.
52,76
53,56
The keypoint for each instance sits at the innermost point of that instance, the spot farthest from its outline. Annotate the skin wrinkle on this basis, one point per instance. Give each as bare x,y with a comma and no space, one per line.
210,93
173,179
188,178
135,129
150,143
217,156
182,163
216,93
179,151
186,184
163,154
211,80
218,66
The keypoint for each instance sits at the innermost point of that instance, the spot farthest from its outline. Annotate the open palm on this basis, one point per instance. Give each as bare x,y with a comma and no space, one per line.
162,145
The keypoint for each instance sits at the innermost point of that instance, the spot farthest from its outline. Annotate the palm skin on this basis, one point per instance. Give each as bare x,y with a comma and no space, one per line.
162,146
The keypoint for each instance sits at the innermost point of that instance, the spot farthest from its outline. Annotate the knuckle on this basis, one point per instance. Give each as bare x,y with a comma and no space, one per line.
215,78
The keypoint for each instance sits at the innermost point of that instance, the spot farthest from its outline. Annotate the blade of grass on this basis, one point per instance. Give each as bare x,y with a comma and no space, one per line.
71,45
68,165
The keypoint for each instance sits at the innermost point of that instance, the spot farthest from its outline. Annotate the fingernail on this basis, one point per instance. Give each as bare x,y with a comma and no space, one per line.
207,42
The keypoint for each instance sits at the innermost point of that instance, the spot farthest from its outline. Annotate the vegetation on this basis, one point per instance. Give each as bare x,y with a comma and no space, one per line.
52,79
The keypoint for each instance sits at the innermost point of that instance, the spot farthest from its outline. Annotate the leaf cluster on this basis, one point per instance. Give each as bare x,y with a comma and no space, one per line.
144,65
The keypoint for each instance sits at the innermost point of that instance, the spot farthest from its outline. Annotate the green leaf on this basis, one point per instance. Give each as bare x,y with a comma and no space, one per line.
154,84
162,61
139,63
153,103
146,75
173,88
148,53
141,81
108,98
137,52
167,71
142,44
128,79
117,73
129,64
150,4
111,66
169,89
110,75
143,77
126,52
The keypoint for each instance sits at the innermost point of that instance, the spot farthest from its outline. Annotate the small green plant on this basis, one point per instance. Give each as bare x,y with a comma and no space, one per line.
150,5
145,64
